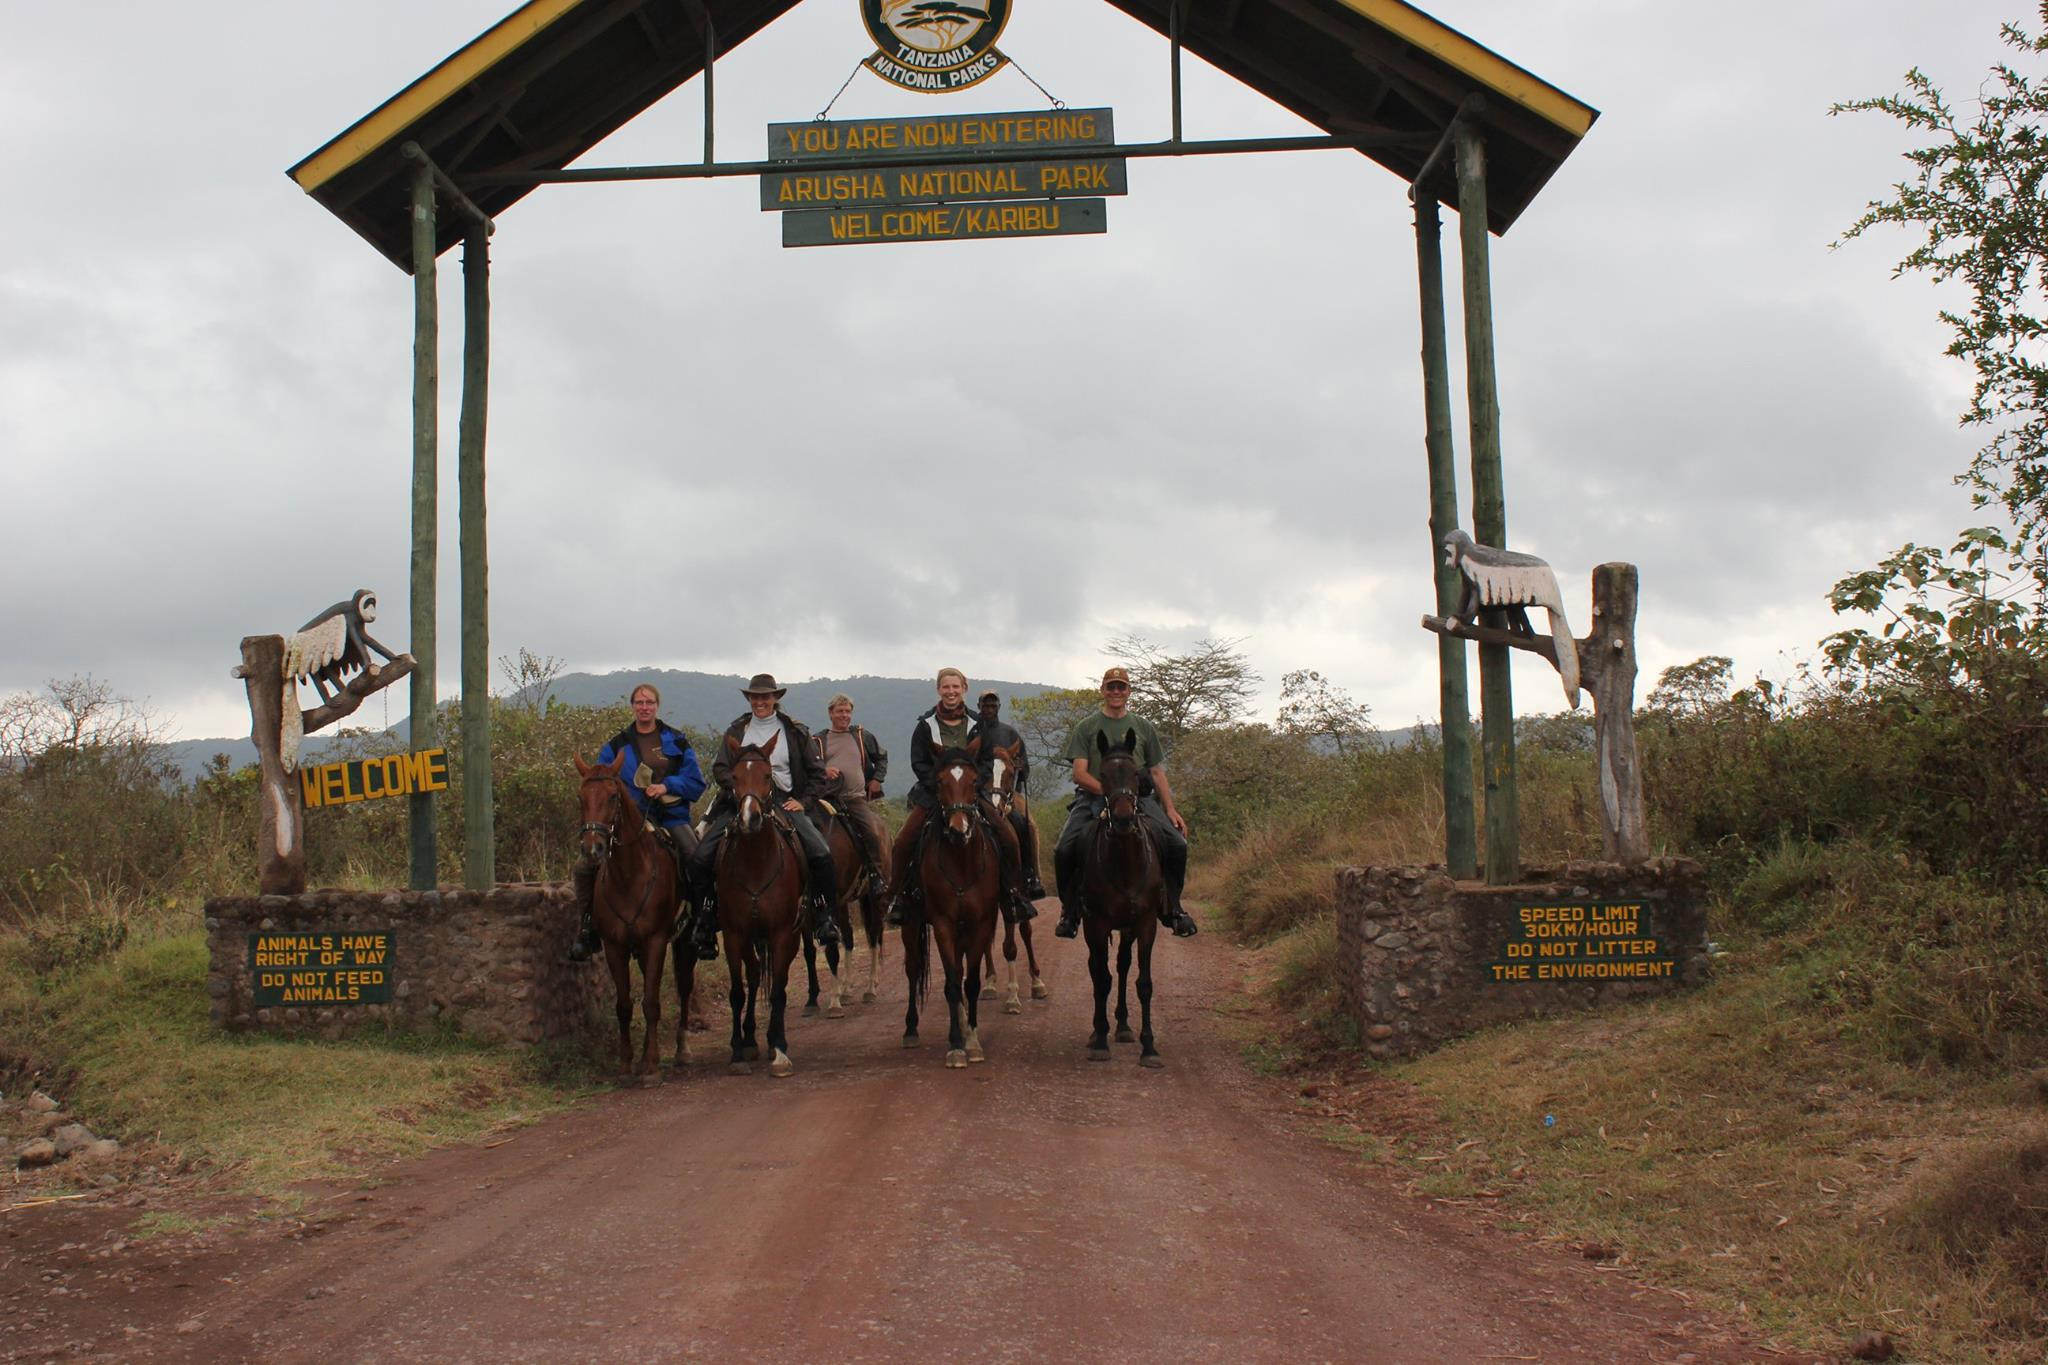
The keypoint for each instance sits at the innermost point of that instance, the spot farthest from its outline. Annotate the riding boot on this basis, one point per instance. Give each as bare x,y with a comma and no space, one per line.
899,907
704,927
1070,920
1175,916
824,884
583,884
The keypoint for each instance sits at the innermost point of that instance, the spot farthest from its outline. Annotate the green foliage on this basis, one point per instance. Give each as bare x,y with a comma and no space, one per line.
1207,686
1975,197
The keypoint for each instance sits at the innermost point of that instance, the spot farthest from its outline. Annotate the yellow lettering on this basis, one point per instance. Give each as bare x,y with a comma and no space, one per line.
309,787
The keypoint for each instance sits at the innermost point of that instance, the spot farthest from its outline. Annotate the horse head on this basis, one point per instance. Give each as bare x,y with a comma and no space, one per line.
1118,772
1002,791
603,796
753,779
959,780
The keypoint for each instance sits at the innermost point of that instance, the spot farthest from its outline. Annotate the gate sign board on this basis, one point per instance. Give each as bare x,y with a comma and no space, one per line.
949,184
366,779
947,135
290,968
944,222
1585,941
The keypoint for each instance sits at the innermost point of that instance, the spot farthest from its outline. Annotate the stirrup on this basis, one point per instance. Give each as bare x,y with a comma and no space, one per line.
1182,924
584,946
1069,925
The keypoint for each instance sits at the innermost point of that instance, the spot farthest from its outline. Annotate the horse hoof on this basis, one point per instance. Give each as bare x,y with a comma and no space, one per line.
867,997
781,1066
651,1078
1013,1006
1098,1052
836,1012
1153,1060
956,1060
738,1069
975,1054
988,991
910,1040
1038,990
1124,1035
810,1011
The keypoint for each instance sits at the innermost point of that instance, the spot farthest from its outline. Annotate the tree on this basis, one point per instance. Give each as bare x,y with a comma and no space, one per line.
530,679
1976,196
1210,685
1047,719
1312,707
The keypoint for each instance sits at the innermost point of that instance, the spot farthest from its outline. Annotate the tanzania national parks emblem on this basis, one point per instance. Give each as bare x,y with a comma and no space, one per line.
935,45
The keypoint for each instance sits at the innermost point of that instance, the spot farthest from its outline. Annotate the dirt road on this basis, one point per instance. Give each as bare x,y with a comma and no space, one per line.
874,1207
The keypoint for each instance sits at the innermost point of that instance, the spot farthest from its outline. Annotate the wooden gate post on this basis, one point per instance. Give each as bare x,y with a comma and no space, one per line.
281,842
1607,658
426,344
1489,509
479,854
1461,847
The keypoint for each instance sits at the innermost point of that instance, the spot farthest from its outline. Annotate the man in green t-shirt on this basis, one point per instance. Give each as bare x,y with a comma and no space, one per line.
1115,723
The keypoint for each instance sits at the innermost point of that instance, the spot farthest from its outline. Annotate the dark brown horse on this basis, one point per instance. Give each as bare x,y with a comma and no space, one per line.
855,888
633,906
760,877
960,870
1123,889
1002,794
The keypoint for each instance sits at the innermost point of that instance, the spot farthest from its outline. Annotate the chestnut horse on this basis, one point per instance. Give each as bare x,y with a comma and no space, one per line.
1002,794
1123,889
633,906
760,879
960,870
855,888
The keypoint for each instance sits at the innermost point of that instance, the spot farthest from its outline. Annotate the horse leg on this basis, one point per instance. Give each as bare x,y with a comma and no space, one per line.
652,952
622,1000
757,962
686,987
736,999
811,972
1098,972
915,947
839,961
699,1021
987,976
1011,1004
783,948
1123,981
1038,990
973,997
871,921
1148,1055
951,959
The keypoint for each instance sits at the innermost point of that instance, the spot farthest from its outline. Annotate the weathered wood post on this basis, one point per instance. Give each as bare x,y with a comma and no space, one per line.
479,856
1489,508
281,844
1607,659
426,343
1461,849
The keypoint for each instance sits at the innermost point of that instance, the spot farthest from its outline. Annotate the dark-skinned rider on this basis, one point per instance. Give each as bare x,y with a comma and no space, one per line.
998,734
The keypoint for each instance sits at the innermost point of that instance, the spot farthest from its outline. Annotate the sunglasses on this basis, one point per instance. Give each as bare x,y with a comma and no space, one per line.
1116,687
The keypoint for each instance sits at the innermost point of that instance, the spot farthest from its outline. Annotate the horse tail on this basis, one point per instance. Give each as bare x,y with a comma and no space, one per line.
871,918
920,926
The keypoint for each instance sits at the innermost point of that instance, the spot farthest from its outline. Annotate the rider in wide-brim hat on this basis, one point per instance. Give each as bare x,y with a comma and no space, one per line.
799,779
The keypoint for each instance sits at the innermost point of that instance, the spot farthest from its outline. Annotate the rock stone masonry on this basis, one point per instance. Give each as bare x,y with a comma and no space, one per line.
488,963
1416,946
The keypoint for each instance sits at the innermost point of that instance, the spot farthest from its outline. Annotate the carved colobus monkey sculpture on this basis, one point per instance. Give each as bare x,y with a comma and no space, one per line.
1511,582
334,644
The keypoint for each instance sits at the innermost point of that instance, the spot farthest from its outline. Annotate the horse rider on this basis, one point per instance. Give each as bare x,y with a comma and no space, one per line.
1169,832
855,764
662,770
998,734
950,725
797,779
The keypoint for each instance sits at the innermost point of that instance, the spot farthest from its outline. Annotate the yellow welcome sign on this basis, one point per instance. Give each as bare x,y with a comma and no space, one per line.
366,779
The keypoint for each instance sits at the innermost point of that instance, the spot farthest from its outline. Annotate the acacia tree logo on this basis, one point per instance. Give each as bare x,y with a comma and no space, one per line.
936,39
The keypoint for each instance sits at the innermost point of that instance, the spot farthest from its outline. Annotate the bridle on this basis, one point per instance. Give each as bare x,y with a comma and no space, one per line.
1125,796
608,828
751,806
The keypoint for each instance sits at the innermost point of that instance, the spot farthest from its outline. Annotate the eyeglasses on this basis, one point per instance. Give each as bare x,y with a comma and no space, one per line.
1116,687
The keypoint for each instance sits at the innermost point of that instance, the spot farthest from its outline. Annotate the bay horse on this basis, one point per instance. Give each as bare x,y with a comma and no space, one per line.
854,887
633,907
1123,889
1002,794
760,878
960,871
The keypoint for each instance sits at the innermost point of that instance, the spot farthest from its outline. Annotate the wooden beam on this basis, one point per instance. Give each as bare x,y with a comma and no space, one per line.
426,347
354,693
479,855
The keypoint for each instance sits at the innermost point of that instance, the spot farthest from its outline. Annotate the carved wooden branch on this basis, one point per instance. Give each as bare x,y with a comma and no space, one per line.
354,693
1493,635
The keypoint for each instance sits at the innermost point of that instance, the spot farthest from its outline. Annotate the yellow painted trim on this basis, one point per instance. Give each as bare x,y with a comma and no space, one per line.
413,103
1488,68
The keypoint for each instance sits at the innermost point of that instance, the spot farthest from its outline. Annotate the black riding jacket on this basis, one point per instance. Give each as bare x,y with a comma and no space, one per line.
925,752
806,774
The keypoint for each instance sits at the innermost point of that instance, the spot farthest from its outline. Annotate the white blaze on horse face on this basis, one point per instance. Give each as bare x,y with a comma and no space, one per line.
1001,768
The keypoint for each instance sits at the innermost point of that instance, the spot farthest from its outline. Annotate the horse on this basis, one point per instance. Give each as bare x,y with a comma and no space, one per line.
1123,889
1002,794
633,906
960,870
855,888
760,880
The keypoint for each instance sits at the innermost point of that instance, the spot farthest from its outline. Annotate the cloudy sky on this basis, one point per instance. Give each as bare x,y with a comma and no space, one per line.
710,452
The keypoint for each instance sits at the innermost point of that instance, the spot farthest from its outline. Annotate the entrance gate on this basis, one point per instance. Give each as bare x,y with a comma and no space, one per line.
438,162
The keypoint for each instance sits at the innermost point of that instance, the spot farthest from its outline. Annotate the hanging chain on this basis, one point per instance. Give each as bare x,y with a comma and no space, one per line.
1057,102
819,117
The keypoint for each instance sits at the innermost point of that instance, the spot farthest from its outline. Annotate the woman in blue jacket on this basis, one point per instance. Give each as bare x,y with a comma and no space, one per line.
662,770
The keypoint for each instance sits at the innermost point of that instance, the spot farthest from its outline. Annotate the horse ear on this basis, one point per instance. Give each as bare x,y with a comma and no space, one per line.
582,769
769,747
618,763
1130,744
732,746
974,747
1102,744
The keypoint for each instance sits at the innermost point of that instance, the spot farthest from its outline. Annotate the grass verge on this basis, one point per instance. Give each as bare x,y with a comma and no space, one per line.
128,1042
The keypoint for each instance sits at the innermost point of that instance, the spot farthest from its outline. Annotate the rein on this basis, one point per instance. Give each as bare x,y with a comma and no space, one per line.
732,837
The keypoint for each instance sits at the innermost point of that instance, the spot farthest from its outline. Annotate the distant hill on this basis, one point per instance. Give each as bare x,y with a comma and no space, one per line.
700,701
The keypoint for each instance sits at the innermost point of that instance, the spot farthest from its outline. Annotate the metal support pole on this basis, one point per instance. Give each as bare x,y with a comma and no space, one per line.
426,342
1489,511
479,854
710,53
1173,37
1461,848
